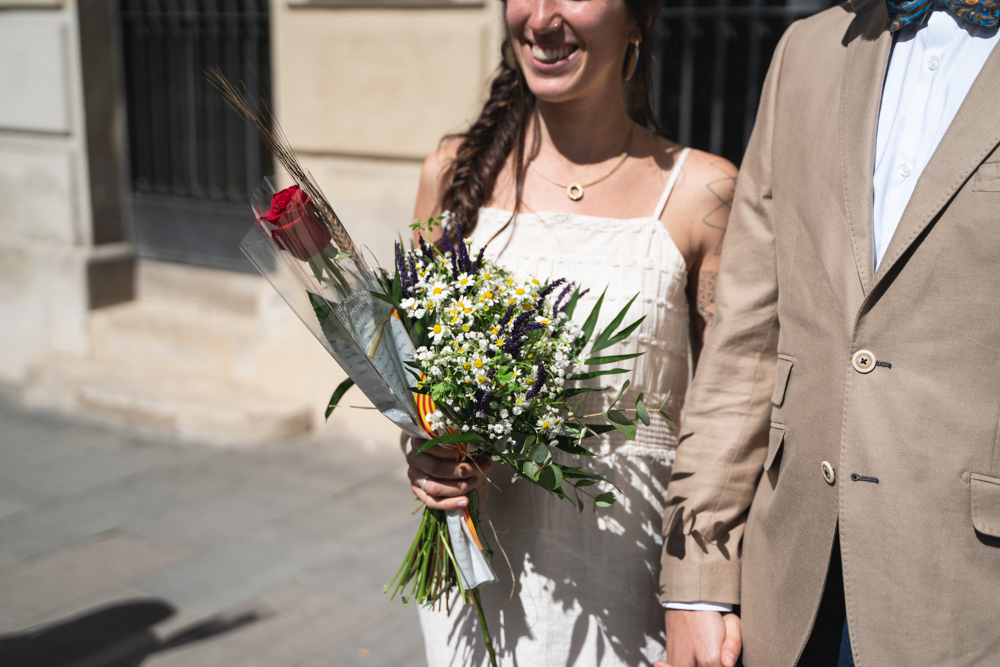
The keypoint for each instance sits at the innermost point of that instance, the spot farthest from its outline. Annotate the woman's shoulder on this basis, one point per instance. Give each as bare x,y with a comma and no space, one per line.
432,179
700,167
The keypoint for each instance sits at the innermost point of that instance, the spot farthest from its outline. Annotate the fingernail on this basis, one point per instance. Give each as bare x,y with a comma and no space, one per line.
730,660
462,502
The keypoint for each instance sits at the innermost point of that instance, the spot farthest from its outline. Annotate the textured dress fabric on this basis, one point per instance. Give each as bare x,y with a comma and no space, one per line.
580,588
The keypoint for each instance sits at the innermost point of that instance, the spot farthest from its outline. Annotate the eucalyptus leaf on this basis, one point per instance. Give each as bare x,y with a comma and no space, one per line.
640,410
620,392
570,447
337,395
531,471
665,399
669,420
605,499
585,482
540,454
624,425
550,477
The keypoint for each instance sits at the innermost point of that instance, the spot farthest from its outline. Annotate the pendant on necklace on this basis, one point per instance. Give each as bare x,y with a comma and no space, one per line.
574,191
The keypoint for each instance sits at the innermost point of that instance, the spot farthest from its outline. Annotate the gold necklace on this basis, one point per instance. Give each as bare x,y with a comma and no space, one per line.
575,190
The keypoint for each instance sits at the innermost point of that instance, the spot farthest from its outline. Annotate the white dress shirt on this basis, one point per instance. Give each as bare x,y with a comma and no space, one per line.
931,71
932,68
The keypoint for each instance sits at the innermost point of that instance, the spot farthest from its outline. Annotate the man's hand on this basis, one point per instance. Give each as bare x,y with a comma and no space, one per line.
701,639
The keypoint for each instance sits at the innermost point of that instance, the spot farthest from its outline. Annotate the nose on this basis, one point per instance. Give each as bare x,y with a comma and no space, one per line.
545,17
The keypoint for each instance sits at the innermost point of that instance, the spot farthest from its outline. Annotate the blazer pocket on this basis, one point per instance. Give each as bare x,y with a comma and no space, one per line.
782,371
774,443
987,178
985,504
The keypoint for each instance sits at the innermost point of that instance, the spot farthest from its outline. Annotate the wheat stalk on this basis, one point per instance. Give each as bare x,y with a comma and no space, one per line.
261,120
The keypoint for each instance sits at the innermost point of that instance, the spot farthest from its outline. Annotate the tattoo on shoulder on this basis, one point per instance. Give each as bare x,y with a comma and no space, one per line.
722,190
706,296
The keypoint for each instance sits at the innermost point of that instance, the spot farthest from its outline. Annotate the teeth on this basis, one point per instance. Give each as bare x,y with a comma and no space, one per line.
551,54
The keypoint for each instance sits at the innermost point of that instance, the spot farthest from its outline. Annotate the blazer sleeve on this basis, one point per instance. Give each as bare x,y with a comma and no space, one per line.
723,441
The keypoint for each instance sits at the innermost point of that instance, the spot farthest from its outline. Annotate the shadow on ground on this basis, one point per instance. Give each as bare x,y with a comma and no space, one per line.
119,635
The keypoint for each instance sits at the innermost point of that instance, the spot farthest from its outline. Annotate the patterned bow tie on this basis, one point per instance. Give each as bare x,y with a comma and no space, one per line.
981,12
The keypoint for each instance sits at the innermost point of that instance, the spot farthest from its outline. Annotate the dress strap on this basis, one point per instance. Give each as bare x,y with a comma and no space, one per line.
674,173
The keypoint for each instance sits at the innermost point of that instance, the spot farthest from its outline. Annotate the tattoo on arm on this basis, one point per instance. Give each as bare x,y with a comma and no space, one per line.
722,190
706,300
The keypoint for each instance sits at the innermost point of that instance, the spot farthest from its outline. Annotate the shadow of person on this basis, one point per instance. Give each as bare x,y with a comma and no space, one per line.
119,635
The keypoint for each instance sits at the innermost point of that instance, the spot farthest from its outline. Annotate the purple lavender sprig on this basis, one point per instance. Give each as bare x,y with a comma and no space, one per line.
449,249
564,306
557,307
506,320
540,379
405,284
548,289
479,260
426,249
413,273
483,399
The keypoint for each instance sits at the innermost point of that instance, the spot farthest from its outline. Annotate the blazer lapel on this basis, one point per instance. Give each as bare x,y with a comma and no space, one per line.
865,65
969,140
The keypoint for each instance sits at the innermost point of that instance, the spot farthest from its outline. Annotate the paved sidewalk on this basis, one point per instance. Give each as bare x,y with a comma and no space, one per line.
118,550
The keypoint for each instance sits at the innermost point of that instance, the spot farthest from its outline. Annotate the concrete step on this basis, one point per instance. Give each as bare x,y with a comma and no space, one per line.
177,337
229,291
191,407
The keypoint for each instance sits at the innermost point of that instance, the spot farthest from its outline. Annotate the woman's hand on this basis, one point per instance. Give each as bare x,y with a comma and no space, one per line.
440,479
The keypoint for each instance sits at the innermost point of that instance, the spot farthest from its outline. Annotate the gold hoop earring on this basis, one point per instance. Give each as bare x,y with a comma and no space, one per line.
633,61
509,57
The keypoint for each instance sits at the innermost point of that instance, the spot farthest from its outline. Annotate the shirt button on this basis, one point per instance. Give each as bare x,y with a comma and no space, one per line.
829,473
863,361
933,63
905,169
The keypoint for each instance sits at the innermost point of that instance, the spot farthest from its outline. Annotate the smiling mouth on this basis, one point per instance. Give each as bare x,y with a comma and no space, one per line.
549,55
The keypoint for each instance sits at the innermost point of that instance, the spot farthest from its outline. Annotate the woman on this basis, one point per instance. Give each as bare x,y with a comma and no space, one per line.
564,178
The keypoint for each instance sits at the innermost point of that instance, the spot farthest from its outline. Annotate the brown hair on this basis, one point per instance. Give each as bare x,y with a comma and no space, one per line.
503,124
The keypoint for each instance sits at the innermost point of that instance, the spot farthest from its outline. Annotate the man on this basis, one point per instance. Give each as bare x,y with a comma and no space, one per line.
838,477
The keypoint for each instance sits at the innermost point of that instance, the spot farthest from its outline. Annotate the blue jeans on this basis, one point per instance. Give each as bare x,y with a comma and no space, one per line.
829,644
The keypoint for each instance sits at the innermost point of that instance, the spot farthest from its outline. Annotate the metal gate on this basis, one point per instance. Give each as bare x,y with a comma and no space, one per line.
194,161
710,58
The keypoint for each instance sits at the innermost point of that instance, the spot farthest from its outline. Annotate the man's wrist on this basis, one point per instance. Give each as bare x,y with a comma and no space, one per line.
699,606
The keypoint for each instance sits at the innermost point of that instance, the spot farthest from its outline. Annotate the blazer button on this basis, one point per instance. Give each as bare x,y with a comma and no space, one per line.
863,361
829,473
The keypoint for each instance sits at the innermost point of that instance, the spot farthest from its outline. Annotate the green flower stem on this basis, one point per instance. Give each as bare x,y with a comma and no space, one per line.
482,624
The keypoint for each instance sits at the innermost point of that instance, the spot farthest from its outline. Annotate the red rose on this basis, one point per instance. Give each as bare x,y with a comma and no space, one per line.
298,228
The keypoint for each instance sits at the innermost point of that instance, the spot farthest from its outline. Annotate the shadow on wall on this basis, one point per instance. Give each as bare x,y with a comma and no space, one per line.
119,635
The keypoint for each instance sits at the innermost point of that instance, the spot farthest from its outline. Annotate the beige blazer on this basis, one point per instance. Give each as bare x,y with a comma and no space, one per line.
751,516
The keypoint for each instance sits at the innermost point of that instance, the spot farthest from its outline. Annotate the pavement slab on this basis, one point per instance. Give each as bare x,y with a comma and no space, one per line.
119,550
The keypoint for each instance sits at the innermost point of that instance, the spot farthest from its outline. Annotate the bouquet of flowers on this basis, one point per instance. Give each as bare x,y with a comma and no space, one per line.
455,350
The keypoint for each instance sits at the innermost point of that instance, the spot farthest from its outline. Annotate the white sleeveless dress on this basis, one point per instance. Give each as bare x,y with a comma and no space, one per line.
586,583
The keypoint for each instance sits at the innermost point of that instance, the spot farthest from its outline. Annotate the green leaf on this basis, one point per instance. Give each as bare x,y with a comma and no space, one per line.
622,423
570,447
594,374
454,439
622,335
598,429
576,391
571,304
640,410
588,326
605,499
337,395
551,477
665,399
597,361
540,454
585,482
392,301
620,392
669,420
531,471
605,336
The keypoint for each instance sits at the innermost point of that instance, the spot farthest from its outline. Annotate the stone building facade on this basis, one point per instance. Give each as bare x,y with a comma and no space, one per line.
364,89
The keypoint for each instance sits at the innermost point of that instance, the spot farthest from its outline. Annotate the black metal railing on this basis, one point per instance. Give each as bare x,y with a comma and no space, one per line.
709,61
190,152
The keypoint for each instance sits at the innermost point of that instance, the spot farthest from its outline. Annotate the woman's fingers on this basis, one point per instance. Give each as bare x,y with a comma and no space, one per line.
443,503
440,478
733,645
437,488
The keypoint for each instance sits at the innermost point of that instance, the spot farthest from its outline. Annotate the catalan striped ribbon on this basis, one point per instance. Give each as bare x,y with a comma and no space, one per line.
980,12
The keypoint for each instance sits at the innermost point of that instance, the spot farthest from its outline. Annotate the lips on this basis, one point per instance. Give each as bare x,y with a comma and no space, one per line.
551,54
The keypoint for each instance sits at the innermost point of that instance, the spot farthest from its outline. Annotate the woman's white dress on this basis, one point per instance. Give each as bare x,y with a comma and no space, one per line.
586,583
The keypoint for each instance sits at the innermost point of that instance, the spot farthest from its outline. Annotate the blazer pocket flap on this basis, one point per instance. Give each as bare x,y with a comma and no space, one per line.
987,178
774,442
781,372
985,504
